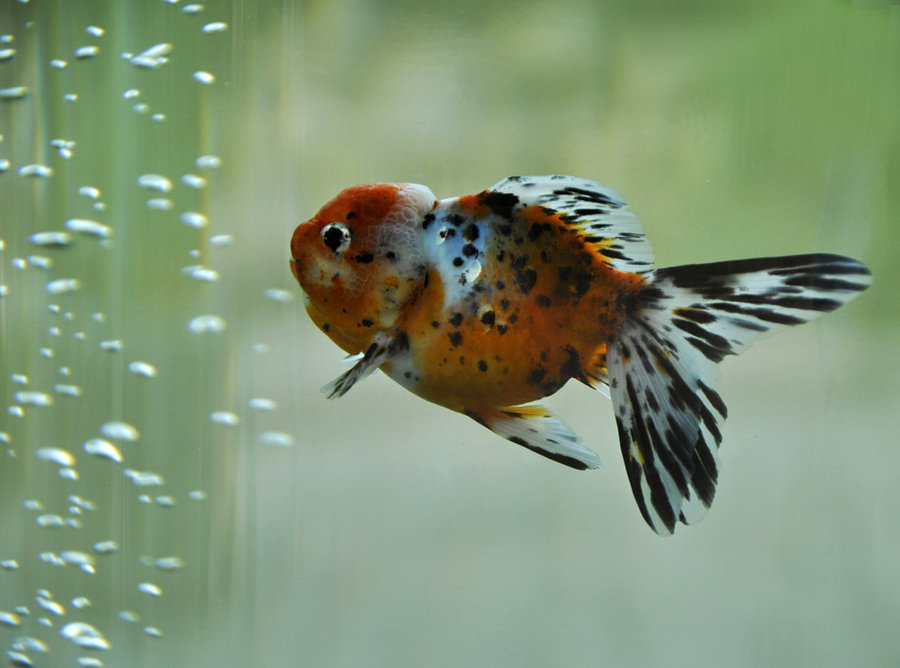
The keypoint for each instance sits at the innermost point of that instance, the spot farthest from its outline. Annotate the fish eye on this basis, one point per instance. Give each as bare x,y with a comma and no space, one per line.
336,236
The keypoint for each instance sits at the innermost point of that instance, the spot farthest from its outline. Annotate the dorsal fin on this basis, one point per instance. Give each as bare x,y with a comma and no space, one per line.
598,214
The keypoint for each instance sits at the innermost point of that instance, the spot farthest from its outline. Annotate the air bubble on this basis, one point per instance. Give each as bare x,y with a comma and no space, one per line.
68,390
205,324
96,31
149,588
9,619
55,239
36,170
81,602
84,635
170,563
193,9
166,501
34,398
225,417
204,77
216,26
76,558
56,455
91,661
155,182
18,658
51,606
63,285
201,273
276,438
102,448
152,58
144,369
19,379
50,521
160,204
131,93
208,162
9,565
58,64
88,51
262,404
194,219
89,191
106,547
89,227
13,93
278,295
153,632
113,346
193,181
144,478
121,431
7,54
221,240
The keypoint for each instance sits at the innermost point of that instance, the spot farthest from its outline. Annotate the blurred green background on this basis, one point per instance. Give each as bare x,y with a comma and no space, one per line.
379,530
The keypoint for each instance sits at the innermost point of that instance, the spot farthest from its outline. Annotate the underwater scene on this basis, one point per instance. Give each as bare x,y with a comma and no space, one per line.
177,489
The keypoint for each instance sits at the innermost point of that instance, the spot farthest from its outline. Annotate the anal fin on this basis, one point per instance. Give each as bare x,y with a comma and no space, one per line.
536,428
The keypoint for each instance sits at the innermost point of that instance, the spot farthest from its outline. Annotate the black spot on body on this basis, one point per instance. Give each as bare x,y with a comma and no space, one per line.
365,258
456,319
366,322
391,256
435,324
482,365
500,203
469,250
455,219
543,300
458,261
326,327
487,318
455,338
504,304
537,375
470,232
427,220
501,329
351,215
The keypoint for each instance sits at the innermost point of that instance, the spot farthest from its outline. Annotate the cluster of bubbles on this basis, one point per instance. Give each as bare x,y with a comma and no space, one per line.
40,620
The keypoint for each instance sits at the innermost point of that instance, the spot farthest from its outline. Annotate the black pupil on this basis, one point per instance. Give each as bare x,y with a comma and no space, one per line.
334,237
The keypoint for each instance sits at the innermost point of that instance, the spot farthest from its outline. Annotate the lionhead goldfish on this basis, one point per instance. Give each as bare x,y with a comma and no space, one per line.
485,302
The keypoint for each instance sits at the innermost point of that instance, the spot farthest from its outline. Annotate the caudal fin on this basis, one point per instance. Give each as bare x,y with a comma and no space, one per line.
662,366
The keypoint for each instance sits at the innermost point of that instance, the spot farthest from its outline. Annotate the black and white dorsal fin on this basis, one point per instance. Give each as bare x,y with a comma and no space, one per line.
663,365
597,213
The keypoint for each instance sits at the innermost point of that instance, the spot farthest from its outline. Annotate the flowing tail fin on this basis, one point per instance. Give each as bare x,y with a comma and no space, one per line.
662,366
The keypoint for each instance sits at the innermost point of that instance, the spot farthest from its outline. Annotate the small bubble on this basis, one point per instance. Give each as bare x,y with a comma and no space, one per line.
18,658
40,261
46,352
63,285
201,273
204,77
193,181
68,390
6,54
149,588
193,9
155,182
9,619
29,644
153,57
194,219
55,239
58,64
120,430
76,558
4,290
84,635
129,616
144,478
68,474
9,565
71,97
276,438
221,240
34,398
113,346
19,379
32,504
170,563
224,417
103,448
91,661
50,521
278,295
144,369
166,501
89,191
56,455
89,227
160,204
89,51
16,411
217,26
106,547
38,171
51,606
153,632
96,31
158,117
141,108
82,503
131,93
197,495
262,404
208,162
13,93
204,324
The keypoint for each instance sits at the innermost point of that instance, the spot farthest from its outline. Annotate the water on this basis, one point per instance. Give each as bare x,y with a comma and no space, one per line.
153,162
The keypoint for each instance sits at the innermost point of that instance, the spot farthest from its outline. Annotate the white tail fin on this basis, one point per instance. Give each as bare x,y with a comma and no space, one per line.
662,365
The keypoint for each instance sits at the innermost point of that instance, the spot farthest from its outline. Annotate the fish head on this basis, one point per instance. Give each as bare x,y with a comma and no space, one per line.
360,259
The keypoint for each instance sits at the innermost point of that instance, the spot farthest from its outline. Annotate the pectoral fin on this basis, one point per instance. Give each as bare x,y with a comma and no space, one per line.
539,430
384,348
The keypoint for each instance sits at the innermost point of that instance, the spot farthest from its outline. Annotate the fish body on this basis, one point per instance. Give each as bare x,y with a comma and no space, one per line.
485,302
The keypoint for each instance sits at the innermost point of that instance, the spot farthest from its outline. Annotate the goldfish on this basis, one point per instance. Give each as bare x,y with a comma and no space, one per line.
486,303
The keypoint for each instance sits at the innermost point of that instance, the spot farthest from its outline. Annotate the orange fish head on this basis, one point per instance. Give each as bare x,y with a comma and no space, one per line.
360,261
